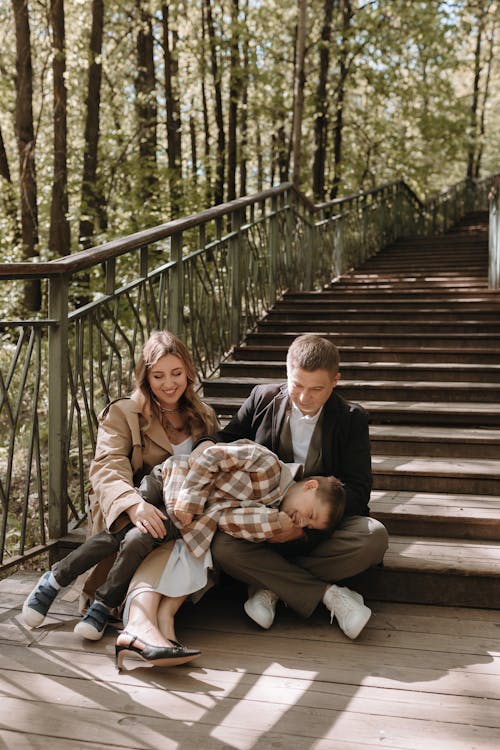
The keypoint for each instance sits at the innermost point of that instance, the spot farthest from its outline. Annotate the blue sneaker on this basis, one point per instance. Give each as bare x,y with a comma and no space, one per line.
93,623
39,602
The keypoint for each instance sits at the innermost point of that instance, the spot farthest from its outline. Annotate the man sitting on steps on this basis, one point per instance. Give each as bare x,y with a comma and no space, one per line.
306,421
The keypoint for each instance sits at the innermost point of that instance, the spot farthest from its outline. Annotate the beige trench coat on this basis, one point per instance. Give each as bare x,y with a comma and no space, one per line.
129,444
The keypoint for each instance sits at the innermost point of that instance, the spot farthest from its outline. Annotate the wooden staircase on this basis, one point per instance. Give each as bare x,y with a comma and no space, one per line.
419,335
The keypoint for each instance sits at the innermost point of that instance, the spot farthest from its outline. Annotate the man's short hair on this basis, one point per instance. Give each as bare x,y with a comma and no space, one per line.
332,493
311,352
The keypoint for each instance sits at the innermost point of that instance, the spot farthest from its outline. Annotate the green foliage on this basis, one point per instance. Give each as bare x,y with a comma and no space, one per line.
406,96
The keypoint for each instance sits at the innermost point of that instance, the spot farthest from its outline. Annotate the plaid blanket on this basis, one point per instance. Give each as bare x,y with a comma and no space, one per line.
236,487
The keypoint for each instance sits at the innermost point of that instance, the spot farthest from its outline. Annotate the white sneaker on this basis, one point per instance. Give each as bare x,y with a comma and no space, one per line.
261,607
349,608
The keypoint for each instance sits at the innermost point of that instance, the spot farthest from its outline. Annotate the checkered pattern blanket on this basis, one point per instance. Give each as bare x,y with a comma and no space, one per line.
236,487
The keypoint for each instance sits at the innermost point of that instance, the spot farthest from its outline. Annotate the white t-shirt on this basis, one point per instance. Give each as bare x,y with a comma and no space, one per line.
184,448
302,427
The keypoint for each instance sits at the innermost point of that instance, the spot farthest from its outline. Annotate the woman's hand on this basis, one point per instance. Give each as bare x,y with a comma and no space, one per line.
183,516
148,519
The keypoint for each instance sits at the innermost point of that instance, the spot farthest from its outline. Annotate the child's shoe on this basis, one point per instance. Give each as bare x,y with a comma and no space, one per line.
38,603
93,623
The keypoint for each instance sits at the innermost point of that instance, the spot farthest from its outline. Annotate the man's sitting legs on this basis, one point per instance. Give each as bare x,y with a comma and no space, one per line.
359,543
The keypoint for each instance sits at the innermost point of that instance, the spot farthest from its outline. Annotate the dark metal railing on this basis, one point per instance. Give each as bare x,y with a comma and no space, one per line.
208,277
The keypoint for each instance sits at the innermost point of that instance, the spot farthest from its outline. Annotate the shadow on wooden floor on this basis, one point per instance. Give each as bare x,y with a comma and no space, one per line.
419,678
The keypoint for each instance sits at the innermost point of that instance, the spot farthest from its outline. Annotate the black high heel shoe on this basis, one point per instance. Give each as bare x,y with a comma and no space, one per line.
161,656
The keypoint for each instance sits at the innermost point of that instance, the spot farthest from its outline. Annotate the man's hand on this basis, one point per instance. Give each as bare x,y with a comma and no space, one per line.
183,516
148,519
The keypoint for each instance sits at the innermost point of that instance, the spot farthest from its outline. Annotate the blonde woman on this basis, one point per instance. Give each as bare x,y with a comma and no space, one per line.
162,417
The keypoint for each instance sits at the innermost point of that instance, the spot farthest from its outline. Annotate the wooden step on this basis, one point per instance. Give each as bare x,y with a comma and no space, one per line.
394,371
406,319
338,291
435,442
395,328
399,354
427,514
362,390
281,334
390,309
453,572
443,475
407,413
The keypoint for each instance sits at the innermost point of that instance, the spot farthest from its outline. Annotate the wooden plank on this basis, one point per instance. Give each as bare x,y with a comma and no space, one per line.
437,466
247,722
463,556
434,500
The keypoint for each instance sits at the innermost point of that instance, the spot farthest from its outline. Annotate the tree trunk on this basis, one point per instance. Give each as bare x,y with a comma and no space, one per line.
59,234
206,127
475,96
280,154
220,166
321,119
347,15
146,108
194,148
234,91
8,195
91,197
174,145
482,116
298,92
25,134
244,112
260,158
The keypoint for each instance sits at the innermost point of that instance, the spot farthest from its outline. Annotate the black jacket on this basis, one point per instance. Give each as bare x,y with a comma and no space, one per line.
345,439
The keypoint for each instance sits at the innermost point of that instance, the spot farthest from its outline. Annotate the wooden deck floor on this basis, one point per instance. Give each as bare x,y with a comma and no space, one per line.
419,677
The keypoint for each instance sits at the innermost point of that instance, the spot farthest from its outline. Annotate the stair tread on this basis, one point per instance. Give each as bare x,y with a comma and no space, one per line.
460,556
444,383
432,434
410,385
437,466
436,504
396,406
380,363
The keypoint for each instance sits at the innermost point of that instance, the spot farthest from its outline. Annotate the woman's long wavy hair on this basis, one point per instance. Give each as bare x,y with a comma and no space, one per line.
159,344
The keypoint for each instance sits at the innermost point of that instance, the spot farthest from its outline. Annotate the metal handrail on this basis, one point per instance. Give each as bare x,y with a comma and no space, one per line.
209,277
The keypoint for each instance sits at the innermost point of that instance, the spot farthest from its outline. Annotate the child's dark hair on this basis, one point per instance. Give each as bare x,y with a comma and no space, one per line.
332,493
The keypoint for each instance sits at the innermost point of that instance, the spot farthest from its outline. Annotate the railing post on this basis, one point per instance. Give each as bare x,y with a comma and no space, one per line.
338,249
176,287
494,240
273,244
58,407
310,247
235,253
398,219
470,196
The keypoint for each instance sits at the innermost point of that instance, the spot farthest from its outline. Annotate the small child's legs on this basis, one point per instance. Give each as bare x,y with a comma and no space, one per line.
134,547
64,572
93,550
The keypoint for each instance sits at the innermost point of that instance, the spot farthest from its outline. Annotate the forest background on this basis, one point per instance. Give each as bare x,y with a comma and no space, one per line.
117,116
